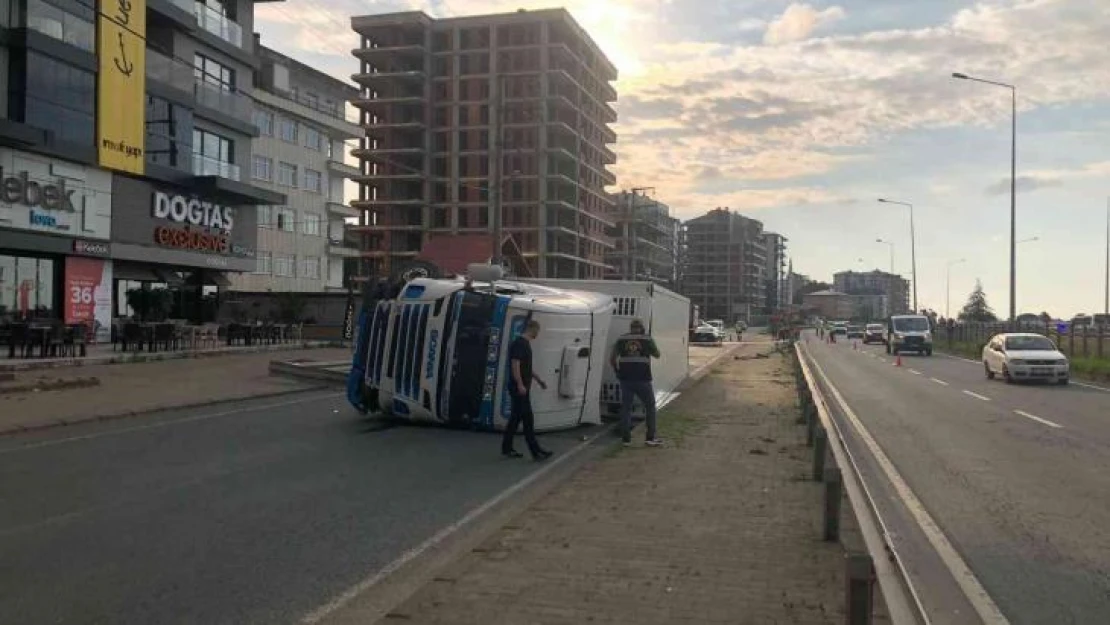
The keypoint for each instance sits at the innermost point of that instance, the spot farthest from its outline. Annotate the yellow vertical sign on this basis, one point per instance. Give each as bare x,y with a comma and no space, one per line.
121,85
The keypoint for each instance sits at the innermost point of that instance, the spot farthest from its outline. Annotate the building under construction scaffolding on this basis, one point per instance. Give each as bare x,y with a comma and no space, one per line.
645,239
484,125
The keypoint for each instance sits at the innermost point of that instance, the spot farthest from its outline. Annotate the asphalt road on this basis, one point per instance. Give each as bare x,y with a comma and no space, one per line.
1017,477
256,512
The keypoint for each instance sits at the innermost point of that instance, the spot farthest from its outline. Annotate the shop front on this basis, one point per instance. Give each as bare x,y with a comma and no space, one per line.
55,230
172,249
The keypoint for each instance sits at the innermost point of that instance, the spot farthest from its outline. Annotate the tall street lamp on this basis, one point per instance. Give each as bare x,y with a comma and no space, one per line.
948,287
1013,185
1106,302
913,247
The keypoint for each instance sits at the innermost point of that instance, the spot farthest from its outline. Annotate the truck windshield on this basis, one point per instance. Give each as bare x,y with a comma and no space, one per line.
468,371
911,324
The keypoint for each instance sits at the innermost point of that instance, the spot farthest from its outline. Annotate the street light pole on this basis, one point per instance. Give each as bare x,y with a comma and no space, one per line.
1013,186
948,287
913,247
1106,302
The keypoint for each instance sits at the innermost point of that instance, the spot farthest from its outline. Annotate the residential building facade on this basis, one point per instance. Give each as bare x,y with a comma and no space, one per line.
472,118
645,238
894,288
150,136
300,152
776,273
724,262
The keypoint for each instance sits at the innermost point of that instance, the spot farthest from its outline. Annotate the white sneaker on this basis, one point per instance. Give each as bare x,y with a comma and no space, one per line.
654,442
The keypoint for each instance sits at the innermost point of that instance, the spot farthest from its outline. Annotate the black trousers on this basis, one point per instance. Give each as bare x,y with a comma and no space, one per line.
520,411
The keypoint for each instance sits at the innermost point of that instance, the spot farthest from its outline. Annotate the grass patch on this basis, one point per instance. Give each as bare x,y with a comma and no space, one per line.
674,427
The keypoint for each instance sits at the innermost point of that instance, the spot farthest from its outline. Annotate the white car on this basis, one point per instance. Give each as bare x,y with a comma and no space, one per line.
1024,356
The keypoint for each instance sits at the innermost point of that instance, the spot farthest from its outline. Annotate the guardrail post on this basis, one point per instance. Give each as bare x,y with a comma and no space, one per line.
820,449
811,425
834,491
861,575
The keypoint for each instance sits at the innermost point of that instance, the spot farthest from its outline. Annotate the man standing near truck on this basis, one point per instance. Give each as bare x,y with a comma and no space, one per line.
631,360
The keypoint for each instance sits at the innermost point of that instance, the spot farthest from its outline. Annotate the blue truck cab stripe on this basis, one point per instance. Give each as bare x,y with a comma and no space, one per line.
493,357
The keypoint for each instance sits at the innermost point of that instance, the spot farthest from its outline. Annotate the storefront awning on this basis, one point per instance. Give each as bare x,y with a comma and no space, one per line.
171,278
217,278
131,271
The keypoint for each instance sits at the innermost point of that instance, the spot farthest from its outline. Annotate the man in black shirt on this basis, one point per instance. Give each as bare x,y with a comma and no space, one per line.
520,359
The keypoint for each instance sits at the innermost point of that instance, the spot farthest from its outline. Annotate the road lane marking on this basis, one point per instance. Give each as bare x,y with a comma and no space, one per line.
1034,417
1097,388
352,593
984,606
977,395
915,372
941,382
162,424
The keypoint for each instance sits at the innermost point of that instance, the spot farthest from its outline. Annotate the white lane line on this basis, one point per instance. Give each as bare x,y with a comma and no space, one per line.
977,595
977,395
1034,417
915,372
1097,388
162,424
940,382
352,593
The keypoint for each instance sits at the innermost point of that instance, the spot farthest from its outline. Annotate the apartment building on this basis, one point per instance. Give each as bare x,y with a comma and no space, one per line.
645,238
894,288
300,114
776,273
144,138
725,259
473,118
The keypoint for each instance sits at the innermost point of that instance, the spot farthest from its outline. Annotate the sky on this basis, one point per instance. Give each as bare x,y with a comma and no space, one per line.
803,114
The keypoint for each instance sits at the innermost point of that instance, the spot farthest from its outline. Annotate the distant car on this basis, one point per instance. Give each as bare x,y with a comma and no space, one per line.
874,334
909,333
1025,356
706,333
854,332
839,327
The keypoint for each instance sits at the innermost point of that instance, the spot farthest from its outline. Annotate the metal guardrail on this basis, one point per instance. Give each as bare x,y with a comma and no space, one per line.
881,562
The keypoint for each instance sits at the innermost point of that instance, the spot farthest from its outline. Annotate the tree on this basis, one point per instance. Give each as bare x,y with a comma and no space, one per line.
977,308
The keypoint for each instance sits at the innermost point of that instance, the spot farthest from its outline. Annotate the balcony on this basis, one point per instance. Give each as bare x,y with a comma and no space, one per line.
211,21
378,77
382,103
386,51
169,71
378,203
385,152
343,210
228,102
208,166
341,250
343,169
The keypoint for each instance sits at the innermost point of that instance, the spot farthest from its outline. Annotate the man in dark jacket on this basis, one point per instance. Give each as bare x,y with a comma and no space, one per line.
631,360
520,385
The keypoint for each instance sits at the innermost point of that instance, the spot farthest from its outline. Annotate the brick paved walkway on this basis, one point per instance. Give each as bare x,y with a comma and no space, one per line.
141,387
719,526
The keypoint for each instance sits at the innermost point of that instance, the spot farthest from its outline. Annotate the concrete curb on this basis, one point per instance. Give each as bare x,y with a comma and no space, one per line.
115,416
121,358
307,372
696,375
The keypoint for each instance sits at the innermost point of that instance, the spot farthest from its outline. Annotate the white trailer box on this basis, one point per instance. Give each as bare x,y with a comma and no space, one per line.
667,317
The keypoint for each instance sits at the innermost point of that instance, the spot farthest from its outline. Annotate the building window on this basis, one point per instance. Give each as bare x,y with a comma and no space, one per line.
262,263
288,130
264,121
287,175
214,73
310,267
310,100
286,219
28,287
57,97
212,155
75,28
263,168
169,133
311,225
265,216
283,265
311,138
312,180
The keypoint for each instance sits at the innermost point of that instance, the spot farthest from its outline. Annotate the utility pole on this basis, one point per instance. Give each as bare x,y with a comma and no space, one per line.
497,169
1106,302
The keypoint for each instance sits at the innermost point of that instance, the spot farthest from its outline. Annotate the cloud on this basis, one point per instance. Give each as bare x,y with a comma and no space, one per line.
1023,184
798,22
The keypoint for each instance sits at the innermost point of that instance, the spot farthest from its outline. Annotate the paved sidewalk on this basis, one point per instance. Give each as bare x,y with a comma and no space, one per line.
719,526
120,390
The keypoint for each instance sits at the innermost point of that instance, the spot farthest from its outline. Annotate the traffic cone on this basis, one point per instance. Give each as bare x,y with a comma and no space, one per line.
898,360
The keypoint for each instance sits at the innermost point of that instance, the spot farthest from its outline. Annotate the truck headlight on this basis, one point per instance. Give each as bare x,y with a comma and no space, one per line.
928,336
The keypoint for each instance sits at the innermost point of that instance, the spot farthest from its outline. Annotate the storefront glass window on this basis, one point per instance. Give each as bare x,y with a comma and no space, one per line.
27,287
57,97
